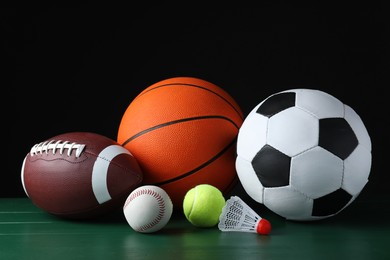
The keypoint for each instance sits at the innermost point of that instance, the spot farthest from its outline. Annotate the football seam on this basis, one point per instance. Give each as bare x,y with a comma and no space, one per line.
304,194
117,165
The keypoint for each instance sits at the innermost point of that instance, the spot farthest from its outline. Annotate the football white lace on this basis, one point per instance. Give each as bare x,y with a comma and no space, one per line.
53,145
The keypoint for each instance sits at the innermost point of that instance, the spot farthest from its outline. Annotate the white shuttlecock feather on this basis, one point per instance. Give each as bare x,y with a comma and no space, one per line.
238,216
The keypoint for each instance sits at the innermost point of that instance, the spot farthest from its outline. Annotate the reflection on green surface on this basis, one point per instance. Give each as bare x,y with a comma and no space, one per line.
28,233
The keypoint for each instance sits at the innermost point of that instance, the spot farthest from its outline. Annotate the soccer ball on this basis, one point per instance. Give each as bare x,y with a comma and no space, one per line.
303,154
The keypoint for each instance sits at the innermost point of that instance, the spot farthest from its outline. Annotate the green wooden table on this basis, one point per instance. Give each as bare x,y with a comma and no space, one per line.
359,232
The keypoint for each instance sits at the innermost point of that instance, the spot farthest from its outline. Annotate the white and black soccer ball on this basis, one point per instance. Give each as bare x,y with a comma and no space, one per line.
303,154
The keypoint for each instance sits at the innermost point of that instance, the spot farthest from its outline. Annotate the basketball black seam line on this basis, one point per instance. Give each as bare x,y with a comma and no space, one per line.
176,122
197,86
199,167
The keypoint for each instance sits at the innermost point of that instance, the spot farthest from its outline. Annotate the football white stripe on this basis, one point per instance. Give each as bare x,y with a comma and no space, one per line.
22,176
100,170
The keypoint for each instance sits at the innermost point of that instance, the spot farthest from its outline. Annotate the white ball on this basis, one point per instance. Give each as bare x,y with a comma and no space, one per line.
148,209
303,154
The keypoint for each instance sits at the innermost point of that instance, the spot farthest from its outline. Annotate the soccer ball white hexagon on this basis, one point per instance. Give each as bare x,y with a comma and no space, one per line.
304,154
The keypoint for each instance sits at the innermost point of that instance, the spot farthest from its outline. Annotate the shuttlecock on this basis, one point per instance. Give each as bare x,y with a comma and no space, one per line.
238,216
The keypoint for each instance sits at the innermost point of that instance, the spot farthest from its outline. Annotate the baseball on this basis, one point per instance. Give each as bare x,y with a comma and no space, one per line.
148,208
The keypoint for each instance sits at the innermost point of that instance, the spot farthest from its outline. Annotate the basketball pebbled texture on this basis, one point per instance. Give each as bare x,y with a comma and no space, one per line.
79,175
183,133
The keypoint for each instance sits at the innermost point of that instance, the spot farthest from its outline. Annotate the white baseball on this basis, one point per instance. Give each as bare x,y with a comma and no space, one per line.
148,209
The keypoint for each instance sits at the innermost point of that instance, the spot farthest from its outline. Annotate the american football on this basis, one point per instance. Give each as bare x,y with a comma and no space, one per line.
79,175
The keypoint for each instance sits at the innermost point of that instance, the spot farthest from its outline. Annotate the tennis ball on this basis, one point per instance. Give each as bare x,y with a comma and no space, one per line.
202,205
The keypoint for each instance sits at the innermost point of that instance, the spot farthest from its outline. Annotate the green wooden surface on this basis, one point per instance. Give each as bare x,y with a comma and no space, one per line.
26,232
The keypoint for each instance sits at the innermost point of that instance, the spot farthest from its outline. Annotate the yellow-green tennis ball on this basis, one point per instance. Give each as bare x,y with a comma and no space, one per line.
202,205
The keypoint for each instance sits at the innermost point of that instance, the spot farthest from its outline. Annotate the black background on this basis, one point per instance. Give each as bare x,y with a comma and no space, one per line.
78,69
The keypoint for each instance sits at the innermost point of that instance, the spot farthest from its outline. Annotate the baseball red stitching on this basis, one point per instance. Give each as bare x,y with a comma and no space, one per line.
161,206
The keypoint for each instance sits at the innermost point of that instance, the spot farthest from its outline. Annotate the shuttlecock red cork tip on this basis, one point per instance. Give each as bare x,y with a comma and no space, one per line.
264,227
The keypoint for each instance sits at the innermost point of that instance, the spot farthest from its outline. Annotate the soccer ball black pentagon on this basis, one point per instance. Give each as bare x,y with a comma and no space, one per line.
303,154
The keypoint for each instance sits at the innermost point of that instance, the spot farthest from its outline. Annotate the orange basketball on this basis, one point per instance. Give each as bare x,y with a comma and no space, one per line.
183,132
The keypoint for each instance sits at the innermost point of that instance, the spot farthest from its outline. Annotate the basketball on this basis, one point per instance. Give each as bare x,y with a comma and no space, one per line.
183,132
